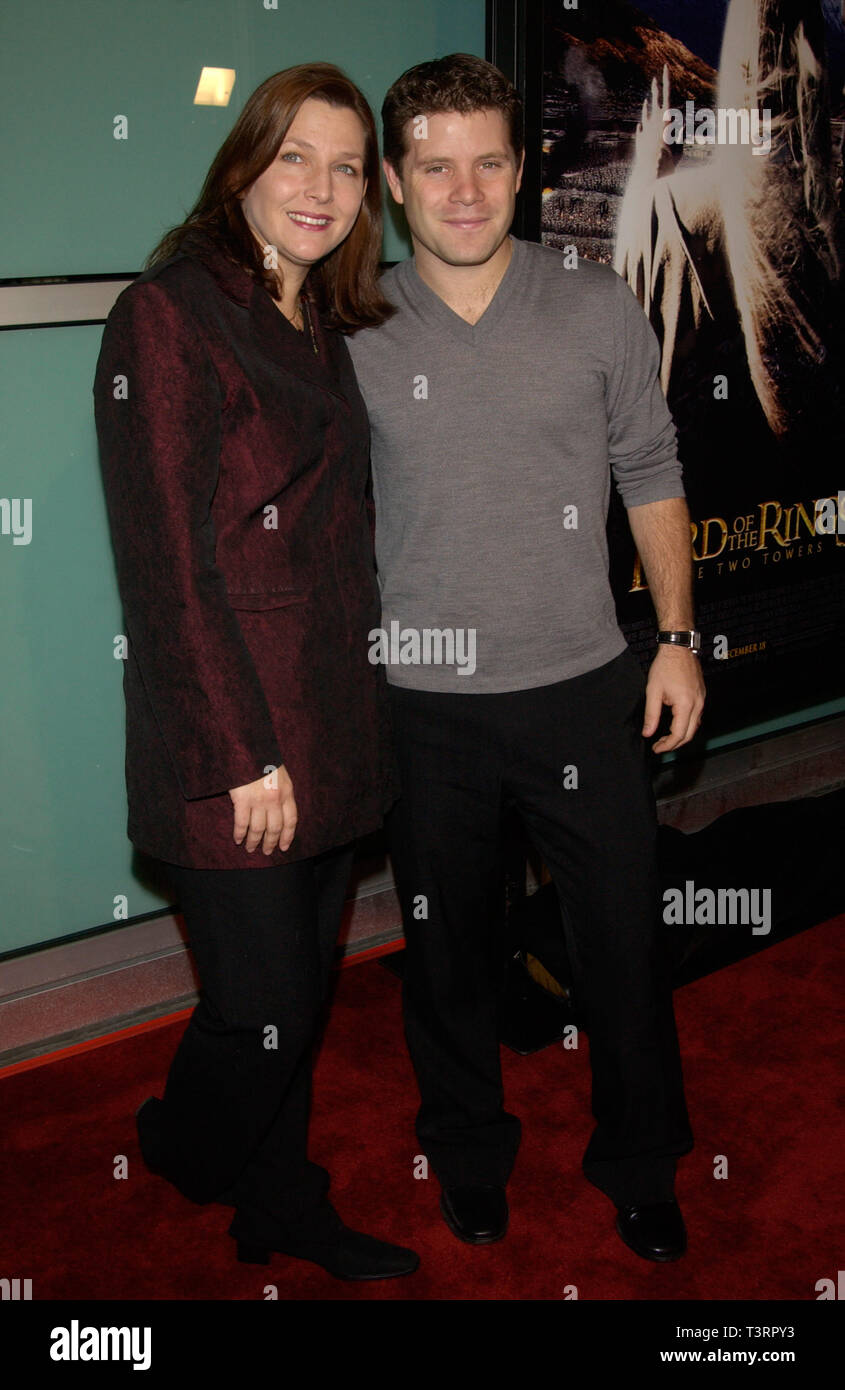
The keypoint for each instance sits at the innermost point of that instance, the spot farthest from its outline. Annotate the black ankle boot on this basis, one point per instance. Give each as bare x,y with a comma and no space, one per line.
345,1253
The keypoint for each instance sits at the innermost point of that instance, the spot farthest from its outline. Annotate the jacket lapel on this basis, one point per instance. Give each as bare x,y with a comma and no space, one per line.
329,372
274,339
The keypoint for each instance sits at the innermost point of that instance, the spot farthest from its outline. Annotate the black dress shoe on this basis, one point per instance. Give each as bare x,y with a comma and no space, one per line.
654,1230
346,1254
476,1213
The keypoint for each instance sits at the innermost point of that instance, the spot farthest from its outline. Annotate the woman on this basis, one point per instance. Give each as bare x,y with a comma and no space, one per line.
234,446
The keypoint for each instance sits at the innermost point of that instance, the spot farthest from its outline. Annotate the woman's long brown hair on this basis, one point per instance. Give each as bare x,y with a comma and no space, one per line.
344,284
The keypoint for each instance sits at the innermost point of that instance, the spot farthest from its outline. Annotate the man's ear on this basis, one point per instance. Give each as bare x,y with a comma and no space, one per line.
393,181
519,171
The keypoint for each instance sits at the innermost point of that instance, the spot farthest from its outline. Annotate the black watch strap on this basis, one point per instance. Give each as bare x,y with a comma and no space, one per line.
689,638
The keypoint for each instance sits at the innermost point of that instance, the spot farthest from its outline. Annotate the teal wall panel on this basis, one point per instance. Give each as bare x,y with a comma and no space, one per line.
63,847
82,202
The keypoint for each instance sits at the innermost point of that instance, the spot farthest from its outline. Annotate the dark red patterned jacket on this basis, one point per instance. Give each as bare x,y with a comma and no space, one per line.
235,465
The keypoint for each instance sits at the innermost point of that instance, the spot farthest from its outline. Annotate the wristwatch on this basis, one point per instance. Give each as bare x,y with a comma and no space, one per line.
690,638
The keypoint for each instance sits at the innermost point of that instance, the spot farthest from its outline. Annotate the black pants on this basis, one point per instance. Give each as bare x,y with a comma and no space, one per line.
234,1120
463,757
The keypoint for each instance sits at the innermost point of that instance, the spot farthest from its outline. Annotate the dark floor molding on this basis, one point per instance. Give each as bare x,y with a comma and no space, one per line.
801,762
78,990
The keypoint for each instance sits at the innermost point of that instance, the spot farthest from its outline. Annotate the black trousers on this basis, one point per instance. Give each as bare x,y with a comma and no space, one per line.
233,1123
572,761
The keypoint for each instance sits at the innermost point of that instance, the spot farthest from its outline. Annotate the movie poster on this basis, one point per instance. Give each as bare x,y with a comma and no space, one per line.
698,148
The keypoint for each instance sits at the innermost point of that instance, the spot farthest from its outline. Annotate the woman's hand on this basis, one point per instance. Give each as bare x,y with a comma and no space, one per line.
265,811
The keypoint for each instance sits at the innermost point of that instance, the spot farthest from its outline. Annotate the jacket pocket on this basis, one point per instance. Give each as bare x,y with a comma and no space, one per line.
255,602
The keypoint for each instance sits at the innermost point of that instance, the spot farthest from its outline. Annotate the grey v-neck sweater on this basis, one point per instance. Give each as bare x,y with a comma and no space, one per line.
493,446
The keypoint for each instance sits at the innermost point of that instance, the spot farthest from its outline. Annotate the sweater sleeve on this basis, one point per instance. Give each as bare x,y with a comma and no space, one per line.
642,438
158,413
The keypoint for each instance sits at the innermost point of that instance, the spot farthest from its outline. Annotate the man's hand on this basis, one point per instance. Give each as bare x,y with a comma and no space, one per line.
674,679
265,811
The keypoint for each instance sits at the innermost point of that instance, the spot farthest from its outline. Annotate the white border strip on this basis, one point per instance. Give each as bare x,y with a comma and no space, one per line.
58,302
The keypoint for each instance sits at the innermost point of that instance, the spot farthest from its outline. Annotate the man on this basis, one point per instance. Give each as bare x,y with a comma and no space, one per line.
503,393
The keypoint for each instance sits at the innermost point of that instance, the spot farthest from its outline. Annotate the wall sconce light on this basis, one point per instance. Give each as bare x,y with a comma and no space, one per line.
214,87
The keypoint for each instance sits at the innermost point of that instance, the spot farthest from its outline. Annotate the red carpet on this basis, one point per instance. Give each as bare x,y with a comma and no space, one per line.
762,1046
